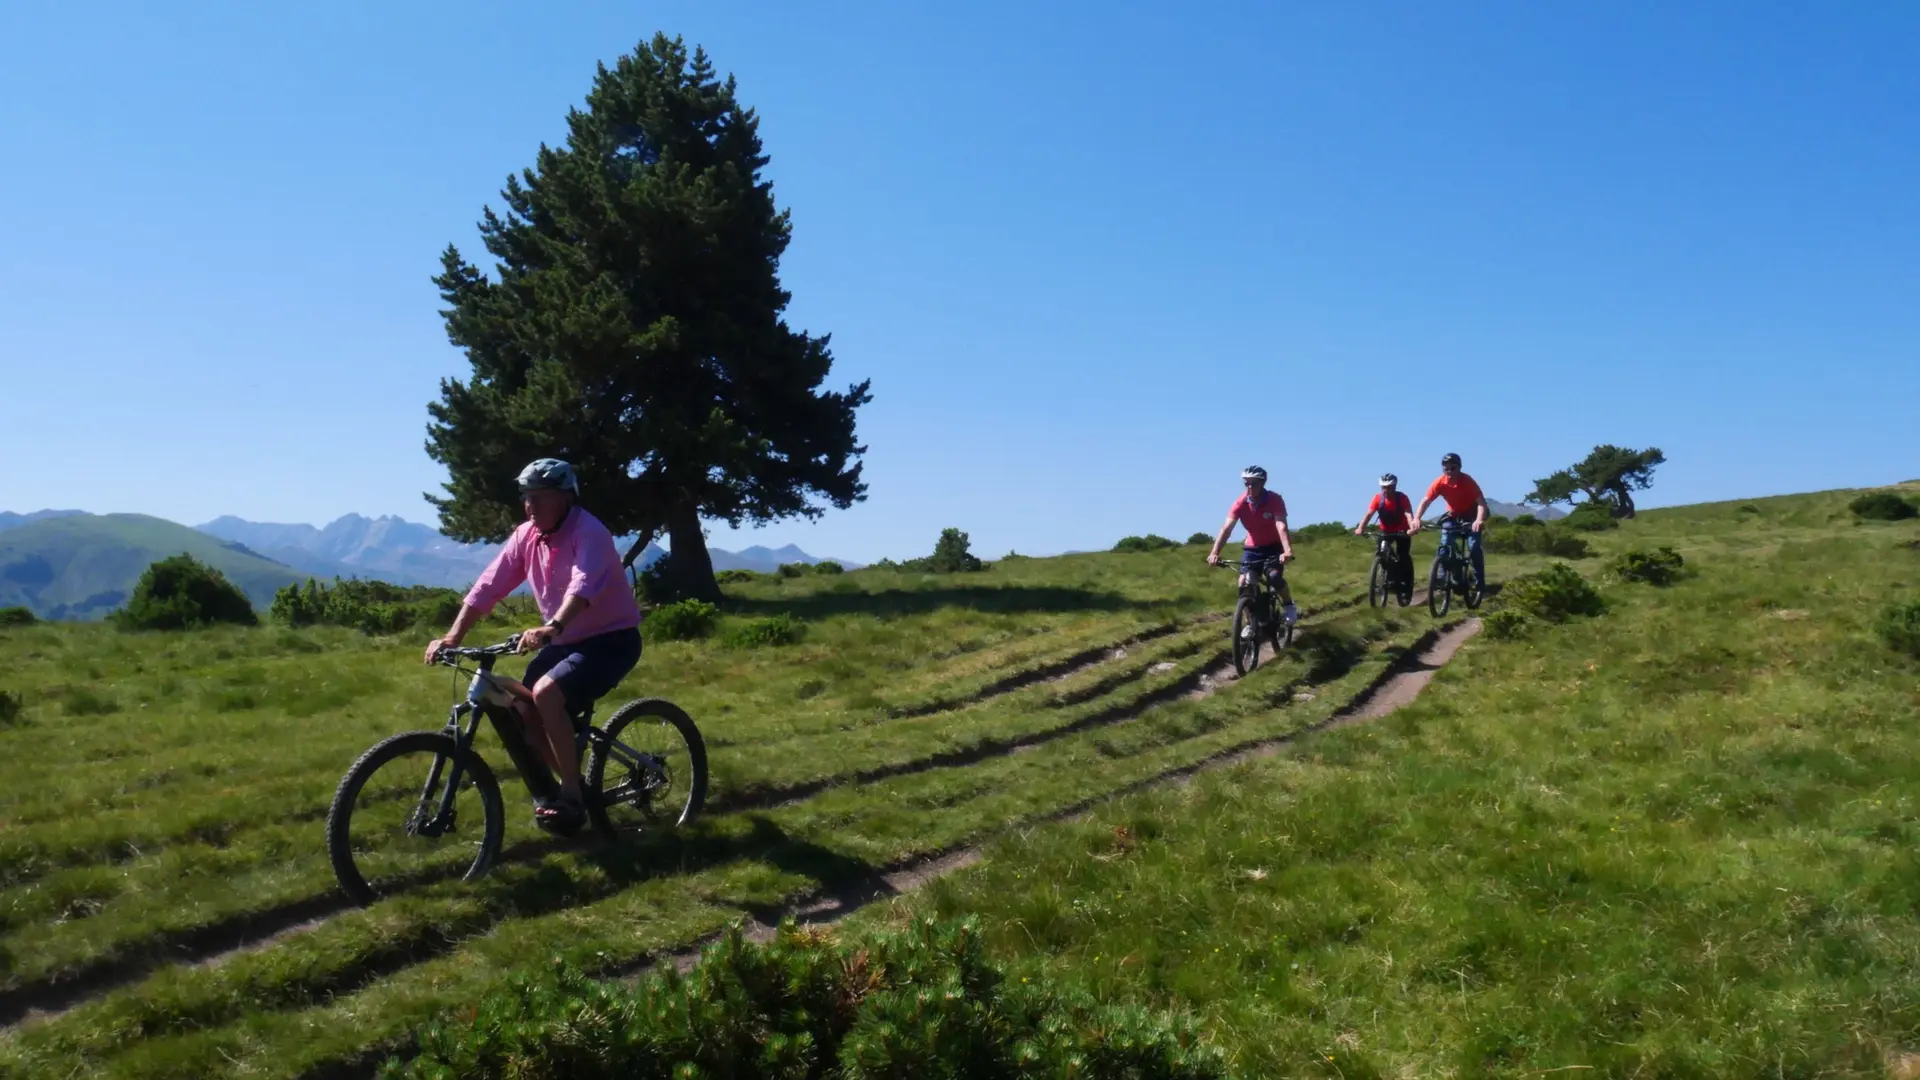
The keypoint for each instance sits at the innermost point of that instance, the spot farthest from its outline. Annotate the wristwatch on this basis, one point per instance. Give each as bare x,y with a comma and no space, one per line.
558,626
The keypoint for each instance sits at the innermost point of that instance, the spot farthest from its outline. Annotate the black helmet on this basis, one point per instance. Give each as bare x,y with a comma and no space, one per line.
550,474
1450,461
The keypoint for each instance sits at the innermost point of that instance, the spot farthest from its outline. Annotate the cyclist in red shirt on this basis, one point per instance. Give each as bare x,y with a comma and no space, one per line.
1396,521
1463,497
1265,515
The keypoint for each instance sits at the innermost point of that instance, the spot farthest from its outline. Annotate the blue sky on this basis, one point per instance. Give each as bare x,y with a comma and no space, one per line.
1094,257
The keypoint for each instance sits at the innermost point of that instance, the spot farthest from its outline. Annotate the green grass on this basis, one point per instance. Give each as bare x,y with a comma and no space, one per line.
188,818
1676,840
163,799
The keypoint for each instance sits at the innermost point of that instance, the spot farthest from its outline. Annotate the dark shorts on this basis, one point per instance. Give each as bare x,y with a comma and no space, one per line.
1249,556
587,670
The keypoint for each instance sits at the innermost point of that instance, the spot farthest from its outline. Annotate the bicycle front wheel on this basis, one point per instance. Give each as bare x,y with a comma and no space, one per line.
392,825
1377,585
648,770
1246,635
1439,590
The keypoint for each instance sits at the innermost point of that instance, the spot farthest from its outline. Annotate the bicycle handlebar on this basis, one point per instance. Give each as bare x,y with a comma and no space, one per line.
449,653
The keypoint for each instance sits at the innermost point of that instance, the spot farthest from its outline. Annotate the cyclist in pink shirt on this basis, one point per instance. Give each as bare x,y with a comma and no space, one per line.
1265,515
590,638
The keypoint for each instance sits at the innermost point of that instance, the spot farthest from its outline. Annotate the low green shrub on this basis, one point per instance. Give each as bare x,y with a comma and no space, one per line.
1661,566
685,620
828,566
17,616
1199,538
774,630
735,577
11,708
1324,530
1504,624
371,607
1149,542
921,1001
1591,517
1882,506
81,701
1900,627
1555,594
180,593
794,570
1537,538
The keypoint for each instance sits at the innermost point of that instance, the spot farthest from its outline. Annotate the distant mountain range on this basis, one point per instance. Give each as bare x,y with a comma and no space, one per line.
82,566
67,564
405,553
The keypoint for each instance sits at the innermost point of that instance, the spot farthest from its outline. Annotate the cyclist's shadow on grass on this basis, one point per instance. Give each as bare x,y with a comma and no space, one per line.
539,885
1010,599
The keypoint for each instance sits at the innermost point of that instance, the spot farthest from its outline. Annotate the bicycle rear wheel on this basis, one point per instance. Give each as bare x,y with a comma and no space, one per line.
385,831
648,769
1246,635
1439,589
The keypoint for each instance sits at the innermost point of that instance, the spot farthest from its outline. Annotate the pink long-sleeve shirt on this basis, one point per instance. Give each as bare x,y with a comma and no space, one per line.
577,559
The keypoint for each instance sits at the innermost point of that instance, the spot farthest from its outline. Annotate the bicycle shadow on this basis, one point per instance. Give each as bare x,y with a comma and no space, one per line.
634,860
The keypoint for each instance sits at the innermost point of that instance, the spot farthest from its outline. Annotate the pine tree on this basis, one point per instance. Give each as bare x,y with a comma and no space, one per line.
634,327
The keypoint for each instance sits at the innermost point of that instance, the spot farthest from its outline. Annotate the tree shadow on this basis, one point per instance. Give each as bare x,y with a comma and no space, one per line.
1008,599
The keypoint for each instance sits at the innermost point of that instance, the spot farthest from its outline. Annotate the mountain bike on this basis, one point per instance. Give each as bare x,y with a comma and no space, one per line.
1256,617
394,821
1452,569
1386,568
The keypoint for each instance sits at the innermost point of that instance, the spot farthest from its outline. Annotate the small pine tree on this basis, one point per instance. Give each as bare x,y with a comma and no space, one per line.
953,554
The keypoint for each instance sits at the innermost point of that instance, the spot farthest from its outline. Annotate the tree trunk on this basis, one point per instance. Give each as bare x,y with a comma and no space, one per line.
688,564
1622,502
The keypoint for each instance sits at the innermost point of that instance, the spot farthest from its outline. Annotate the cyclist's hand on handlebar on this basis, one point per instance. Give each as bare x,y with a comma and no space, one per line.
434,647
1213,558
1361,531
529,640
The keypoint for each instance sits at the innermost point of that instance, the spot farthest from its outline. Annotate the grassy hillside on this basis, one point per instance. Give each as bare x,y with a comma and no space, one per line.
1675,840
1702,786
83,566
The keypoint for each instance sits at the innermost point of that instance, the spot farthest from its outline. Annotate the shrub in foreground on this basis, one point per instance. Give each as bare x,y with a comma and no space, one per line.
10,708
1661,566
685,620
1900,628
1882,506
17,616
181,593
920,1002
1555,594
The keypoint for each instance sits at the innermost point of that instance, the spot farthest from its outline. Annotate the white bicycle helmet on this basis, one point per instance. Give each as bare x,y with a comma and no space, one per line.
550,474
1388,480
1254,472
